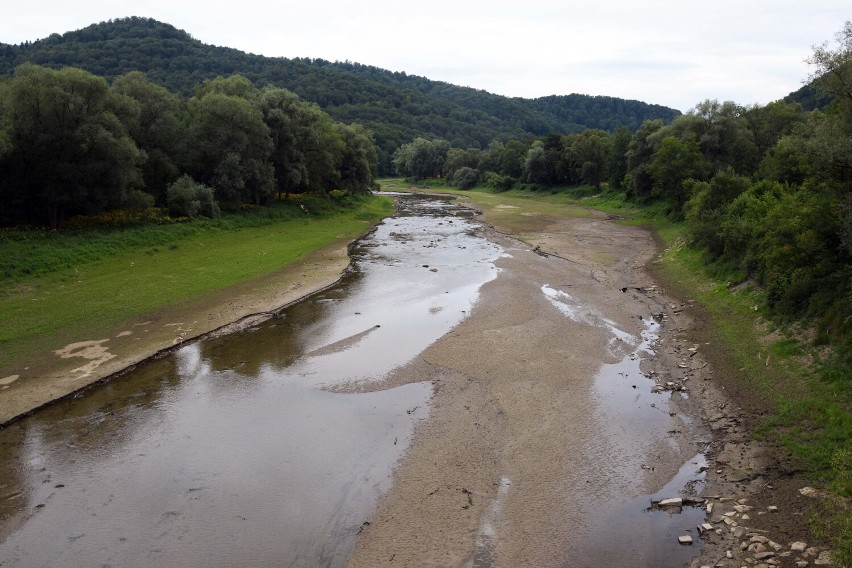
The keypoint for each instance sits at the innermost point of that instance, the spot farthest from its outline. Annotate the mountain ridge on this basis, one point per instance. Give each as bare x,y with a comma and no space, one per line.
396,106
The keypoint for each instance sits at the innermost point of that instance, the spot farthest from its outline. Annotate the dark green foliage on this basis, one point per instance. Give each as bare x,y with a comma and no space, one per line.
188,198
72,145
465,178
69,152
397,107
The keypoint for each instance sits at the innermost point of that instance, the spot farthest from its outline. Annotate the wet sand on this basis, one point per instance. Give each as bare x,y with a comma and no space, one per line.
522,460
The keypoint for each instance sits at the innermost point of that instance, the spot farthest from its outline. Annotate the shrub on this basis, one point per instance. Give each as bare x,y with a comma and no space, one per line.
188,198
465,178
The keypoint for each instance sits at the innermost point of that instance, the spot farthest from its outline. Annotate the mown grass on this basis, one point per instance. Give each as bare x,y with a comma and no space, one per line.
798,393
66,286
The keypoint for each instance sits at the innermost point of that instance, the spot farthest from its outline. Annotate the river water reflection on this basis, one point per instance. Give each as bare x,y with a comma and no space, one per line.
229,452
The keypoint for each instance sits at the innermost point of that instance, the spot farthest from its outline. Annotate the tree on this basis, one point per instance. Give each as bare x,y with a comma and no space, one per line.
535,164
156,128
359,162
674,162
618,157
229,148
69,151
590,151
421,158
639,153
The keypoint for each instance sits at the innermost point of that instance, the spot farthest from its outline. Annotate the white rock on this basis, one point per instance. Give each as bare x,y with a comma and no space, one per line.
808,491
798,546
673,502
772,509
685,539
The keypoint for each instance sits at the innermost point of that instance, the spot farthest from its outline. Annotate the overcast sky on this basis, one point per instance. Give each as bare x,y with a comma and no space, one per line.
674,53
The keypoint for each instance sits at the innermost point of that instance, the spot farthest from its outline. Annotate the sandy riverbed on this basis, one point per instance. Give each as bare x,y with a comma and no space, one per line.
516,465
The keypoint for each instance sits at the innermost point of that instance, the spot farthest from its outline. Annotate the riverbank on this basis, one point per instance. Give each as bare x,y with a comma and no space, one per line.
526,461
62,335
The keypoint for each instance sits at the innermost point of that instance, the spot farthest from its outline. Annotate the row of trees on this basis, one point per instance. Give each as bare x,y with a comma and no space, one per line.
70,143
765,190
397,107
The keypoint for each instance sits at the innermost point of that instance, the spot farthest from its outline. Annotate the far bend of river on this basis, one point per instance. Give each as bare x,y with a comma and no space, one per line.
229,452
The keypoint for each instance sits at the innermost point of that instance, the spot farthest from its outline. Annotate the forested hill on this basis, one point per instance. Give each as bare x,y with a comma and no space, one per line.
397,107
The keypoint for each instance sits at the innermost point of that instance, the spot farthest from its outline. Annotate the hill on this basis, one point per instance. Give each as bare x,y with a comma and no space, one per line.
397,107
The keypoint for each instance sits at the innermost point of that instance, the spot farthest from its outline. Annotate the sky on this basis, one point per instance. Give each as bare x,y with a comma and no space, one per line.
673,53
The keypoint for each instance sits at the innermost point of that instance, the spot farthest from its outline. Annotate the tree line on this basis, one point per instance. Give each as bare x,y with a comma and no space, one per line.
396,106
766,191
71,143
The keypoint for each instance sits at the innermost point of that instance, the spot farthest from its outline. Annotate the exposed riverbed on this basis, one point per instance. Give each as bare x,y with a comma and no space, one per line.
456,400
233,451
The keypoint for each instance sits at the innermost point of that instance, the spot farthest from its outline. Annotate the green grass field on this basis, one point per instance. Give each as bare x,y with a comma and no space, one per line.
59,287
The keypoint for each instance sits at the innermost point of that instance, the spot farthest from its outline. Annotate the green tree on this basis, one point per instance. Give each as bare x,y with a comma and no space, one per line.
358,165
673,163
590,150
618,157
156,128
69,151
229,148
421,158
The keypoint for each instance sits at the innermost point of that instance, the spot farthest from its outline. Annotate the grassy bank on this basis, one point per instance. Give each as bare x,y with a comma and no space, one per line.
57,287
797,394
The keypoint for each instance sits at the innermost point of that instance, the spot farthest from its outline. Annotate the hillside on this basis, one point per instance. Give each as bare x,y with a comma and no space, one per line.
396,106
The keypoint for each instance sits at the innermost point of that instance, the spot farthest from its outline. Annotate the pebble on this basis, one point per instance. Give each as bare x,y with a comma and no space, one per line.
685,539
798,546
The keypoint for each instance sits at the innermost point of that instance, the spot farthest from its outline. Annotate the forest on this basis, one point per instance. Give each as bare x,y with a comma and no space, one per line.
765,191
395,106
72,144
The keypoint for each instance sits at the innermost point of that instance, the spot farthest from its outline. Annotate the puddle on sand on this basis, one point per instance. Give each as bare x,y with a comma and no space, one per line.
226,453
633,420
632,423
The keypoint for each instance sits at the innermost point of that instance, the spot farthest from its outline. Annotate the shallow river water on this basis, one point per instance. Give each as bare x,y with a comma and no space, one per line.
235,451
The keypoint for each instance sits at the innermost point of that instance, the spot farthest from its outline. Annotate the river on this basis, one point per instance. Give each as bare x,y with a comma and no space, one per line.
258,448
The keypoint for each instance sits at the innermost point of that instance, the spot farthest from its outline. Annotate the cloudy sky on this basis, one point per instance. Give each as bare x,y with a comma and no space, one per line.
675,53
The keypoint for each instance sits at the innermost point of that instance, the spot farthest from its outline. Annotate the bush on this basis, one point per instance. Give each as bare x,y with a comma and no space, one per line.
188,198
465,178
137,200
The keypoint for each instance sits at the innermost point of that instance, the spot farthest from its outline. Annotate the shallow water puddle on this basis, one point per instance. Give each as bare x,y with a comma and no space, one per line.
632,420
227,452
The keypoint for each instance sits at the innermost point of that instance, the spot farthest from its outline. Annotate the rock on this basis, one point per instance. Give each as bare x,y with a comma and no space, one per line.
802,564
759,538
798,546
673,502
824,559
764,555
705,527
808,491
709,508
772,509
774,545
685,539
